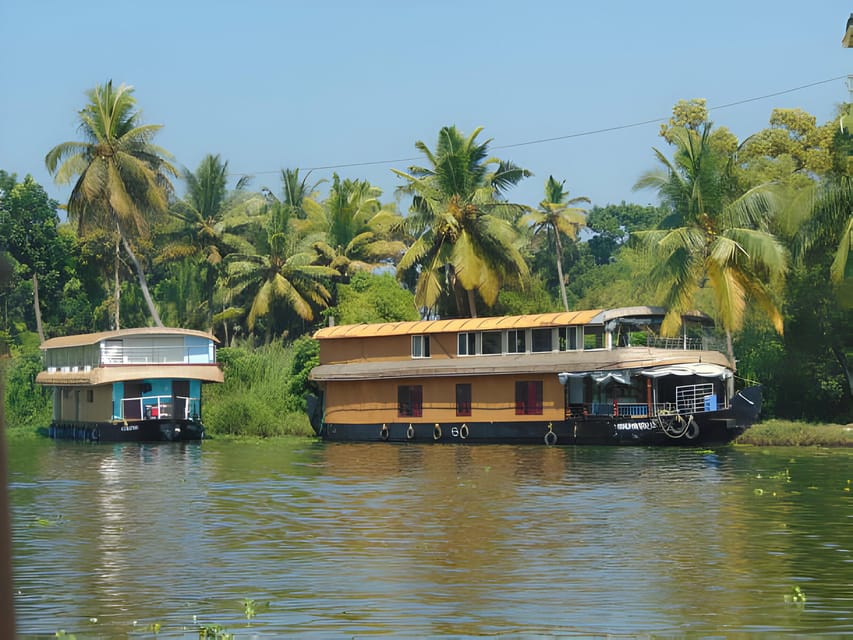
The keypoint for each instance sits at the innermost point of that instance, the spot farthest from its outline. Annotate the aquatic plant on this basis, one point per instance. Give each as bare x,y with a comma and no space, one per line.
796,596
214,632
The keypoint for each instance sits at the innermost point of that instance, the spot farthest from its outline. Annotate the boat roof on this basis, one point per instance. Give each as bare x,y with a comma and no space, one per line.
84,339
461,325
108,375
586,362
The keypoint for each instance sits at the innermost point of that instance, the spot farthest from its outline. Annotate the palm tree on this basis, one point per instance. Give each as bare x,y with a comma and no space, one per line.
122,178
357,231
713,234
280,274
557,214
210,218
831,223
464,237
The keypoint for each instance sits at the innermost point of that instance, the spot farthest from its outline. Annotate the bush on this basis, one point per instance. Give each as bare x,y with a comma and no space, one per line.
28,405
257,398
797,434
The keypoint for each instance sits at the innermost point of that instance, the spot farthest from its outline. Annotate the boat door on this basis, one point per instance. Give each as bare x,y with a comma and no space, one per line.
181,398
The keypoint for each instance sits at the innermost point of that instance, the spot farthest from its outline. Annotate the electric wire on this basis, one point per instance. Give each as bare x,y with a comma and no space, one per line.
569,136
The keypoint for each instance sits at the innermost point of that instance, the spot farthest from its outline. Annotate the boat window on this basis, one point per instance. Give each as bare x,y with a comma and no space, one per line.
515,341
528,397
463,399
491,342
568,337
593,337
420,346
410,401
467,344
541,340
90,395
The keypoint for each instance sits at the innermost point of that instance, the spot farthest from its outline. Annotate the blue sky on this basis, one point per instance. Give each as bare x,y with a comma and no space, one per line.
270,85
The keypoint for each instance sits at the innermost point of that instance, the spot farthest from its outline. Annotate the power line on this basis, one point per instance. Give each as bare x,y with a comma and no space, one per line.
569,136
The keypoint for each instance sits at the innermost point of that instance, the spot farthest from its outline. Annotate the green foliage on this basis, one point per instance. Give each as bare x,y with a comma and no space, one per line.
787,433
28,405
306,356
534,298
373,298
255,400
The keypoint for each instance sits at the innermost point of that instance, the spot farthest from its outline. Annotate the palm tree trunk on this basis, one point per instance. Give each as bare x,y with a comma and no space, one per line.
845,367
143,283
472,303
37,307
559,244
117,287
730,350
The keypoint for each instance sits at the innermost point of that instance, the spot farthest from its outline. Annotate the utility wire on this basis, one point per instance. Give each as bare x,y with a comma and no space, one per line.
569,136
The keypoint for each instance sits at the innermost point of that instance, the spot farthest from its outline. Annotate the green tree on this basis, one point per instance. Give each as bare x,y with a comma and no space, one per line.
28,231
558,215
357,231
461,222
714,233
210,219
613,225
372,298
122,178
279,274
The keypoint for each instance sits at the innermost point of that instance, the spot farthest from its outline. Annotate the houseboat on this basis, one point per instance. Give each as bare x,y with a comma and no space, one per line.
129,385
603,376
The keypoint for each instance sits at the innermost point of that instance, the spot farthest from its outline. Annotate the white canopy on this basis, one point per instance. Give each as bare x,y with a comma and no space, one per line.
703,369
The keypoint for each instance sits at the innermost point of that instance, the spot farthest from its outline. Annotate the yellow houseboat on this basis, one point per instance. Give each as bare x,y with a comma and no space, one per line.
129,385
580,377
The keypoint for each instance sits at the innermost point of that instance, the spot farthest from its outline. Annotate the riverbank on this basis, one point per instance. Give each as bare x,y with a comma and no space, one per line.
781,433
787,433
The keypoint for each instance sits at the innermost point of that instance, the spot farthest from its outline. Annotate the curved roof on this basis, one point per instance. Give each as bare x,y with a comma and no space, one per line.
107,375
631,358
84,339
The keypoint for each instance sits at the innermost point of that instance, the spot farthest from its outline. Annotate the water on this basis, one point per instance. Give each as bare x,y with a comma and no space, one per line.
356,540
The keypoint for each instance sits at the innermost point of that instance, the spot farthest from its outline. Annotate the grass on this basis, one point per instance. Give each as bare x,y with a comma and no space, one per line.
787,433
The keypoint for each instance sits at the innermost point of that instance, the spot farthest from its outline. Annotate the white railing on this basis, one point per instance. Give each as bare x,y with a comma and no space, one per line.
159,407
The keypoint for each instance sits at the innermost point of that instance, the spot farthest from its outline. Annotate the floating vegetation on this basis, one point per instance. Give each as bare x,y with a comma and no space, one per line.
252,607
796,596
47,522
214,632
248,608
62,633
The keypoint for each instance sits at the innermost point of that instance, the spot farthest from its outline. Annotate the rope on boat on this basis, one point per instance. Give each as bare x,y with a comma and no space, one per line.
677,427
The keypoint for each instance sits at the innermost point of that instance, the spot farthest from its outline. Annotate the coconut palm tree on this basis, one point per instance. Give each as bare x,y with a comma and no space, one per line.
831,223
122,178
357,231
210,221
557,214
279,274
713,235
462,225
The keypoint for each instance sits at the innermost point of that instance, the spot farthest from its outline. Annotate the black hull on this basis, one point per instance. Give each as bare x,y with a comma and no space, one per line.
587,431
131,431
700,429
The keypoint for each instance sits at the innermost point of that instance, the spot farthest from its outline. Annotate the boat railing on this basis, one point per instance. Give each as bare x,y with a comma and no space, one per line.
705,343
692,399
160,408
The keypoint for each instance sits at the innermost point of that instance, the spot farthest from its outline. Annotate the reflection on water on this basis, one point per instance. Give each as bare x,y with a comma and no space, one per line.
423,540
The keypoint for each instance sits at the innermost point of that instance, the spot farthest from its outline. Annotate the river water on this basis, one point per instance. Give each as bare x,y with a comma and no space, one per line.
308,539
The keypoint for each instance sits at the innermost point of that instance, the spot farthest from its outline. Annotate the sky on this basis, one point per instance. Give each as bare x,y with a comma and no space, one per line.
350,86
